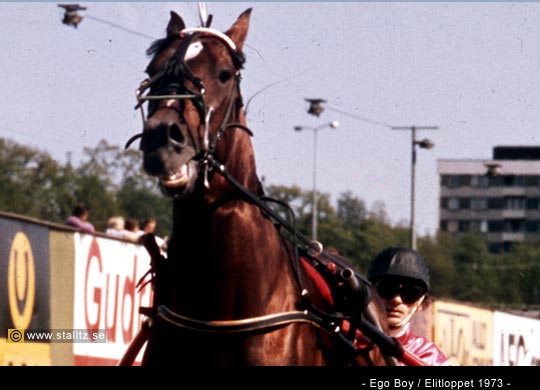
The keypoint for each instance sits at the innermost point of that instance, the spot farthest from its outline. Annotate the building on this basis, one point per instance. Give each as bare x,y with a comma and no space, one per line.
499,198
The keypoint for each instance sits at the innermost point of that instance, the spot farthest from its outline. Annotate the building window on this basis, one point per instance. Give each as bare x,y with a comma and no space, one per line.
464,226
515,203
450,181
496,203
479,226
479,181
495,226
455,181
532,226
444,203
496,181
452,226
479,204
514,226
532,204
531,181
453,203
514,181
443,225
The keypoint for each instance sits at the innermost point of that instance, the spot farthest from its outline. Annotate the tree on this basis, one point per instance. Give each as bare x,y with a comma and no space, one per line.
519,271
29,182
438,255
124,188
142,204
298,213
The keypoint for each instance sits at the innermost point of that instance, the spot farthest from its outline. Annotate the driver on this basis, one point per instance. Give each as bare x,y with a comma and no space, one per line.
401,278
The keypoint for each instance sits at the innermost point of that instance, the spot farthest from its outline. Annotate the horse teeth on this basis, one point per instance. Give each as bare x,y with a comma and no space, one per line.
178,179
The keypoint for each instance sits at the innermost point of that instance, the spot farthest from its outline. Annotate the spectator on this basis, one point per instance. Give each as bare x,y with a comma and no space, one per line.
131,229
115,226
149,226
79,219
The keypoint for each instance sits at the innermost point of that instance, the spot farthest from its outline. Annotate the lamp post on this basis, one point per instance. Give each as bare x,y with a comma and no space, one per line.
423,144
314,212
493,169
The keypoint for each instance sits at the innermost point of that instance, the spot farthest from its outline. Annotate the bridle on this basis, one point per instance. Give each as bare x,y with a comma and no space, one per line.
176,68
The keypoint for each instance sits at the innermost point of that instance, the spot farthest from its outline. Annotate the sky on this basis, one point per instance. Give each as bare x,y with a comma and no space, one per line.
470,69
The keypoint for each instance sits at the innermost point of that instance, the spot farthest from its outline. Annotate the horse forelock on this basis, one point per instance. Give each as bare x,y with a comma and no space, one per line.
158,46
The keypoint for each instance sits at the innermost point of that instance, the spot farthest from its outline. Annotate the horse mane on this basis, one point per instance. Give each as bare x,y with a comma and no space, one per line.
158,46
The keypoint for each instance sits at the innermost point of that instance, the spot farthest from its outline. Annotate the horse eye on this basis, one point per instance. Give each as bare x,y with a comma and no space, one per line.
225,76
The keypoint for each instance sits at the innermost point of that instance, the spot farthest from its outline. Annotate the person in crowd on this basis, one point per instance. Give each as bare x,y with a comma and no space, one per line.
149,226
131,229
401,278
115,226
79,219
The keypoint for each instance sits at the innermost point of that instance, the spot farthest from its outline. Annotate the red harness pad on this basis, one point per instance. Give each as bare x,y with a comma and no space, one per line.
319,281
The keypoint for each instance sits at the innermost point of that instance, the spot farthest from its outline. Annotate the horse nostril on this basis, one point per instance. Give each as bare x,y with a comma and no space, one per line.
175,134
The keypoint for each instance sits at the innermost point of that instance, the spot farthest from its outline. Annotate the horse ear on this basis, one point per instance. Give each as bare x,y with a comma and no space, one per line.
239,29
176,24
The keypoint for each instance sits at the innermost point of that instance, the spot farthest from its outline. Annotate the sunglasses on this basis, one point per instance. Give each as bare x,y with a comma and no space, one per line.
409,293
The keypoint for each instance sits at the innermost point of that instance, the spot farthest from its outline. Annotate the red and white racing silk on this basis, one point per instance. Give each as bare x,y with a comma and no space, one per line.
423,349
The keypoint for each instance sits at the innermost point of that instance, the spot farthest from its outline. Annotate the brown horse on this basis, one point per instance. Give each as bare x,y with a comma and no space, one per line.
233,291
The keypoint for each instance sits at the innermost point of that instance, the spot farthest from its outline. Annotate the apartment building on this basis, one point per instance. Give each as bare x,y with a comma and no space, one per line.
499,198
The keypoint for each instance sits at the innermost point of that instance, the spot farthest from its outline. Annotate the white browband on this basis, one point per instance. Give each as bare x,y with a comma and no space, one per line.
211,31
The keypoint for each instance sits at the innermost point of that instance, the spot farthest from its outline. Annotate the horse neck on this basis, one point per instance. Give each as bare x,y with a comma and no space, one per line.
235,152
225,254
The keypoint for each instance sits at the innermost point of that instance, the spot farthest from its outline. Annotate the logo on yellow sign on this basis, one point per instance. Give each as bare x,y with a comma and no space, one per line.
15,336
21,281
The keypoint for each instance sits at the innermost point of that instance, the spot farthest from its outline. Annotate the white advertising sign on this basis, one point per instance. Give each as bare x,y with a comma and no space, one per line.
516,340
106,297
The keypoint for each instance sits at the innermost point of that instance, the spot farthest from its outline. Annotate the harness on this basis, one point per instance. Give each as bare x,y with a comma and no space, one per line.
356,284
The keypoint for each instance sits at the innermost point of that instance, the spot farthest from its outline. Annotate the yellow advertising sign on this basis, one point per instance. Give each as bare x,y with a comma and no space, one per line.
21,281
24,354
464,333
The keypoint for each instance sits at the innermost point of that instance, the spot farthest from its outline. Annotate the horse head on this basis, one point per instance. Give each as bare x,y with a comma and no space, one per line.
195,108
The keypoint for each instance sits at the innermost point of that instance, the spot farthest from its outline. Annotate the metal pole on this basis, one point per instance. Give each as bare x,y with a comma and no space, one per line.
314,206
412,231
314,211
423,144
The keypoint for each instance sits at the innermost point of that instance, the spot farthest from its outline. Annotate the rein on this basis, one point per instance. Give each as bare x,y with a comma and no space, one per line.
239,326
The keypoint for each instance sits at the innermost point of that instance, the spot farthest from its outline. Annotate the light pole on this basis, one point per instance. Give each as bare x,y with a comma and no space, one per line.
314,211
424,144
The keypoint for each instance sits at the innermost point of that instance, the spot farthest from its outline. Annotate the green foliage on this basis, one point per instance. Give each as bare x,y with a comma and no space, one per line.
142,203
108,180
438,255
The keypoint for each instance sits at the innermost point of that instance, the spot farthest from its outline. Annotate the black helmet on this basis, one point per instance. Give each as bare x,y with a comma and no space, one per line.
397,261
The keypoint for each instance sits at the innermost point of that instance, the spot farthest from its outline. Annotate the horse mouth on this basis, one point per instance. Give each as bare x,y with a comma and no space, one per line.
181,181
177,180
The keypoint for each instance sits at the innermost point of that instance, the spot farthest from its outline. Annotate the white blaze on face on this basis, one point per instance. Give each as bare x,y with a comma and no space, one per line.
193,50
